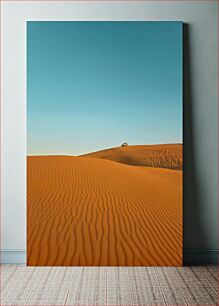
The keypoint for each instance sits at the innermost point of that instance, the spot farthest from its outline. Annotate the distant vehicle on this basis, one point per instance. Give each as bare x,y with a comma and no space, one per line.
124,144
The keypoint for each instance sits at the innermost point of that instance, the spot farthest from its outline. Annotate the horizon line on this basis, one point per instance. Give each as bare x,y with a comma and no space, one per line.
90,152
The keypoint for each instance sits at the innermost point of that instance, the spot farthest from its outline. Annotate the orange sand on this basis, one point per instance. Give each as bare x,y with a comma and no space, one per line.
96,212
162,156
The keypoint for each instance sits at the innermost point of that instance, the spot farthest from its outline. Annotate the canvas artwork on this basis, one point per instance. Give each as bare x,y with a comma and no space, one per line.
104,127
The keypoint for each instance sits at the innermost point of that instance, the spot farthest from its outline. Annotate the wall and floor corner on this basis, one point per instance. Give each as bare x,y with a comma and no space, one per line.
200,113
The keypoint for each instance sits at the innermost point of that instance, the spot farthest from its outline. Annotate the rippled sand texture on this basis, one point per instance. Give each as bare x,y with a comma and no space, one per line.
162,155
84,211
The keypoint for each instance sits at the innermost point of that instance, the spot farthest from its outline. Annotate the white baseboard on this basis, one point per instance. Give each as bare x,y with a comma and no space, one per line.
200,257
13,256
190,257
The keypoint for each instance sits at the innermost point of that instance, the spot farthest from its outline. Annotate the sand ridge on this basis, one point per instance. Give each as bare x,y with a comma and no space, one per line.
162,155
84,211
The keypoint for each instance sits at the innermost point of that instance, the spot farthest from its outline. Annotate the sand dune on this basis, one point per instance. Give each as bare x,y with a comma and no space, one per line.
91,211
162,155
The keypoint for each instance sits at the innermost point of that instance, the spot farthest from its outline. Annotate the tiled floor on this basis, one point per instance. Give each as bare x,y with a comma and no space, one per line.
108,285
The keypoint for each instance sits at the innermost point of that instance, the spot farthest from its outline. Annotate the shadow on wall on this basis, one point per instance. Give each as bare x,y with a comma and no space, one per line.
192,221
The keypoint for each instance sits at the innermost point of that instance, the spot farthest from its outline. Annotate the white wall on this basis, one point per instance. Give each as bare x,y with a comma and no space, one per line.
200,200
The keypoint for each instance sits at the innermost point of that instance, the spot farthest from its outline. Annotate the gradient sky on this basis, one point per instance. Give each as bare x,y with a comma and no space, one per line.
94,85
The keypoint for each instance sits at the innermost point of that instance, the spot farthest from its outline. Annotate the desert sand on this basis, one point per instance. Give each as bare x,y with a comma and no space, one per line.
85,211
161,155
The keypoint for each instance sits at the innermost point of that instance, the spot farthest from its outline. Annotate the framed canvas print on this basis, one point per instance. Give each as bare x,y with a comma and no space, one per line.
104,160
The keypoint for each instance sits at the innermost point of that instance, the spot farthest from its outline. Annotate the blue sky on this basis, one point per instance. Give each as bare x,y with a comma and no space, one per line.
94,85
